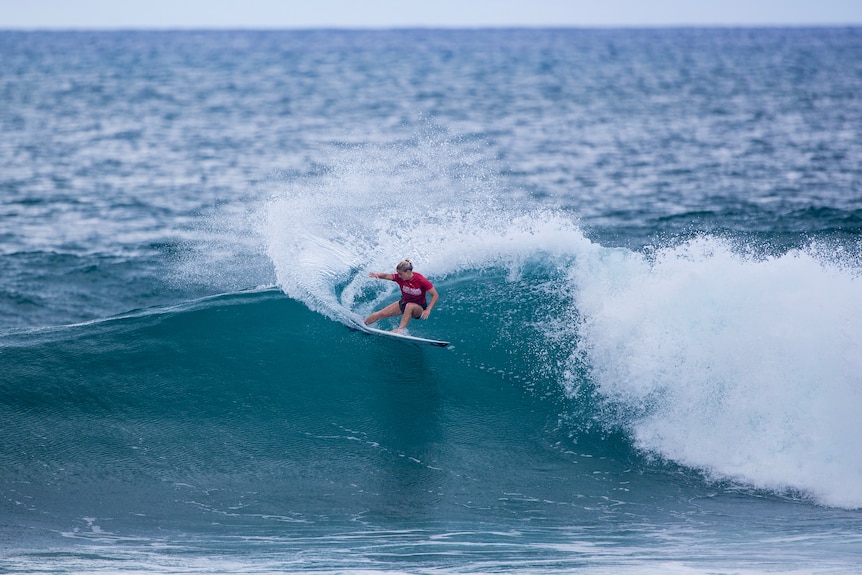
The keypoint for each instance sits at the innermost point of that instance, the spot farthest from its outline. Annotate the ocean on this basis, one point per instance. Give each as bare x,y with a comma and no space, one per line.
648,249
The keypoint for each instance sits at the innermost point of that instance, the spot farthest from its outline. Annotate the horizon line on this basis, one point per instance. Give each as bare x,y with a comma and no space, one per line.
383,28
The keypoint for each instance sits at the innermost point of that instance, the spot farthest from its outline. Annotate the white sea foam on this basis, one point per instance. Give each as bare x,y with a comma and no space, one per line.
749,368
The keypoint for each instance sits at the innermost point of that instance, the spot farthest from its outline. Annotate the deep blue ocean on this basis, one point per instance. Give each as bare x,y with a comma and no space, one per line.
648,249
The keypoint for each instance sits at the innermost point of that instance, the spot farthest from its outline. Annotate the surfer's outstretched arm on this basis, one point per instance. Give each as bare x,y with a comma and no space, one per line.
380,276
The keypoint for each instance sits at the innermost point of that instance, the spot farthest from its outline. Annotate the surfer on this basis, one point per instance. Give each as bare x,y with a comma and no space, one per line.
413,303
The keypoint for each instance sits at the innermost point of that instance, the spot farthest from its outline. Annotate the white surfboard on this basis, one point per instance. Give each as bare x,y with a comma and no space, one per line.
420,341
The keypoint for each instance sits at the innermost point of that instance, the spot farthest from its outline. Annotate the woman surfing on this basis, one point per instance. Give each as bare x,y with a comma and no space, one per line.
413,302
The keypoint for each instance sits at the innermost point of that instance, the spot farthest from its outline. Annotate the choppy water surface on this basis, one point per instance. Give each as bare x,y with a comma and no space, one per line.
647,248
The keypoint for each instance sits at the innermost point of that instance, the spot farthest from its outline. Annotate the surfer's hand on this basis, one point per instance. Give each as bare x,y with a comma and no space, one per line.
425,314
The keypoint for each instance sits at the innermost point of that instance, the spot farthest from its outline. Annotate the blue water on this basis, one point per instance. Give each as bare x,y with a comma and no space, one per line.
647,245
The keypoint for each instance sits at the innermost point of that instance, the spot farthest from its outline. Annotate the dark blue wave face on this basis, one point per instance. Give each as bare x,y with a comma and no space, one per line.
251,411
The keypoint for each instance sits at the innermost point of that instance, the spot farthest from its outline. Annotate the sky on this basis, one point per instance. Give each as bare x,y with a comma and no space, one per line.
291,14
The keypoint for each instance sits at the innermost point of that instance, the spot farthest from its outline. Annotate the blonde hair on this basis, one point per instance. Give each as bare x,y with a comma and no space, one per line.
405,266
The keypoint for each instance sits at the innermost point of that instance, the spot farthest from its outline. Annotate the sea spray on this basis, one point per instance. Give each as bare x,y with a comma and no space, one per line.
428,200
